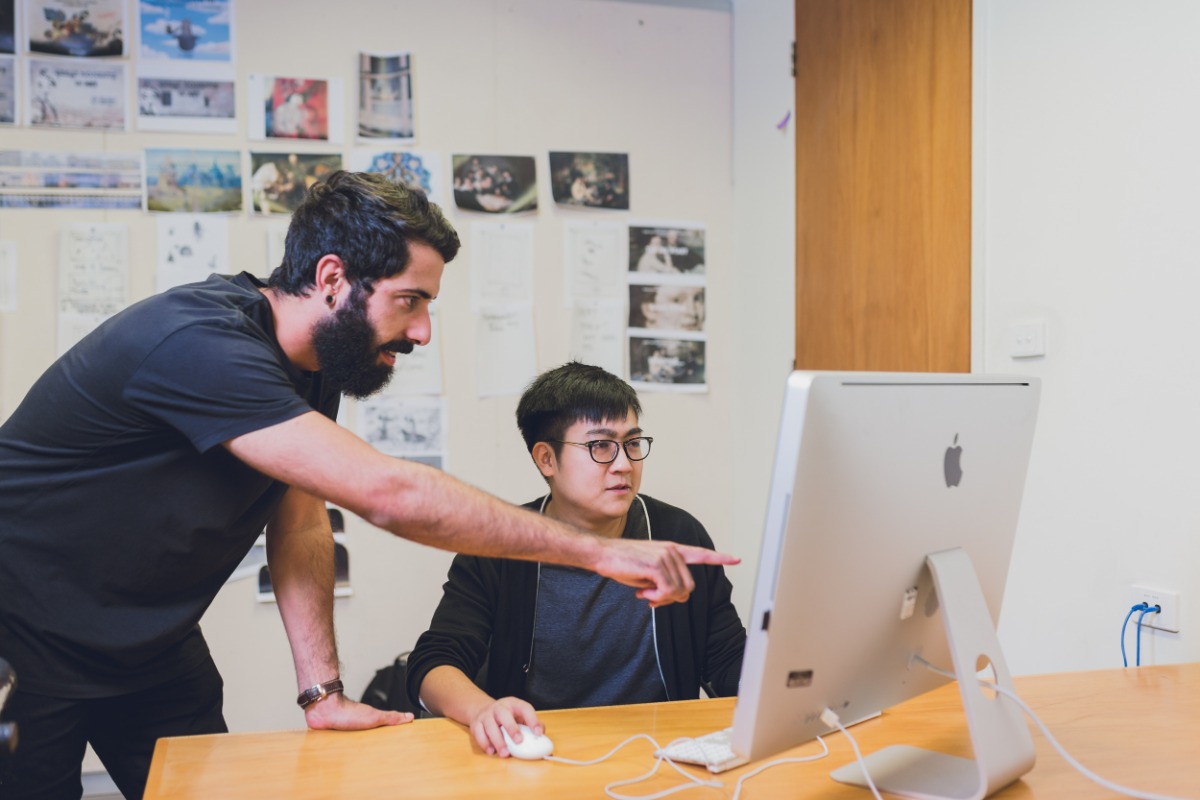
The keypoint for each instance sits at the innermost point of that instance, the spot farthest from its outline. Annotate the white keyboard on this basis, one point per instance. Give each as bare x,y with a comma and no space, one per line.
712,750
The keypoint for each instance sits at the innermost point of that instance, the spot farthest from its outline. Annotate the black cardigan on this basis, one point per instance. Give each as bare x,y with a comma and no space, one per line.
487,609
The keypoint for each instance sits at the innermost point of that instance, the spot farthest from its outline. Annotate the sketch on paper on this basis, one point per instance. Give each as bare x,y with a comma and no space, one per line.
190,248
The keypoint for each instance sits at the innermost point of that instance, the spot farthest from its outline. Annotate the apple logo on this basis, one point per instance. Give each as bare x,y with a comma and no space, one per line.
952,464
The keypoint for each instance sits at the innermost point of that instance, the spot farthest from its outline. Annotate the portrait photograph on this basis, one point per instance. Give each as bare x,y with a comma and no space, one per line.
193,181
185,30
495,184
385,97
80,28
666,307
666,249
279,181
590,180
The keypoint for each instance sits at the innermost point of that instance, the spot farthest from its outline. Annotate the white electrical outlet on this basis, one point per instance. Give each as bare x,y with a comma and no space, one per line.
1165,620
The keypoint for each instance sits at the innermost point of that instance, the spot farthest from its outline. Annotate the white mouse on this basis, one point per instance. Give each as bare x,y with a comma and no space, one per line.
531,747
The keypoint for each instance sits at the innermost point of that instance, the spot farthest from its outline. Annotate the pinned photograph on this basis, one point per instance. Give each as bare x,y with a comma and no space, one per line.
667,364
495,184
36,179
8,90
593,180
81,28
294,108
77,94
385,97
411,427
418,169
8,26
195,181
186,30
175,99
666,250
666,307
279,181
341,561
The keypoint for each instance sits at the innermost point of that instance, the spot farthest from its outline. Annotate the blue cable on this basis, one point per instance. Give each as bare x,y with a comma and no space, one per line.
1147,610
1132,611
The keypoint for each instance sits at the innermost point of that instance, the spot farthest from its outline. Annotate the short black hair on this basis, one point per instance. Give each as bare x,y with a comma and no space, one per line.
558,398
366,220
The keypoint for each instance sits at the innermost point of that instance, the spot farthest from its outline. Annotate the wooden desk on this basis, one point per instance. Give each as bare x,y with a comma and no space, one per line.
1137,727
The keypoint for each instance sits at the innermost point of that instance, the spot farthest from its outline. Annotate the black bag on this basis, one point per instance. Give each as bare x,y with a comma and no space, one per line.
387,689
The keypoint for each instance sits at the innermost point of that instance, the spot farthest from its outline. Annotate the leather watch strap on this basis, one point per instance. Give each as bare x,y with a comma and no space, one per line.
315,694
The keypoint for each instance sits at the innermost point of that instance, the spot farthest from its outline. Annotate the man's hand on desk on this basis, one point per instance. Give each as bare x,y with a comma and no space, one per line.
337,712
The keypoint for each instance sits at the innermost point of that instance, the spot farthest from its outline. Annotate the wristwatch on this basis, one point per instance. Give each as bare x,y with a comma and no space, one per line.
316,694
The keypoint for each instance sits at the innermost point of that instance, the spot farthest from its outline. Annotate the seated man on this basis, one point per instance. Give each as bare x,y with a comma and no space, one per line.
559,637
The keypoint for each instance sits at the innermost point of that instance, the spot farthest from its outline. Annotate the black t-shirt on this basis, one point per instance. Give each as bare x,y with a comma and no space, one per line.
121,516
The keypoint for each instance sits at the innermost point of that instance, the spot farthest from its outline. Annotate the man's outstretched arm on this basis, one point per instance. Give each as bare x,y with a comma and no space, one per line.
424,505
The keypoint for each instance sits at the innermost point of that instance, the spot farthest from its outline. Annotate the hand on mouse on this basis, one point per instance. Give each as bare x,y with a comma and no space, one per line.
507,712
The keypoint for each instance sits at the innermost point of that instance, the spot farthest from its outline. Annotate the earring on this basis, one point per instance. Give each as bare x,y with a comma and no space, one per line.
329,299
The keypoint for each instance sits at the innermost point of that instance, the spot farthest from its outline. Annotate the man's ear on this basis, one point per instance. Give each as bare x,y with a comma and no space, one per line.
543,457
331,276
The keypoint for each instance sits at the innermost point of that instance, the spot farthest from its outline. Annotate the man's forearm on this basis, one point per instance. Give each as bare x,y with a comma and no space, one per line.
300,558
447,691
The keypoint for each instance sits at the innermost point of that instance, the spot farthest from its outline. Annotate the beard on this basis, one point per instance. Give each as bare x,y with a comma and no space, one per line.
347,353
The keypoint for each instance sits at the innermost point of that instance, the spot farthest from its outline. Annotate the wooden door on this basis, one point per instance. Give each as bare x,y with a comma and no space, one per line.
883,185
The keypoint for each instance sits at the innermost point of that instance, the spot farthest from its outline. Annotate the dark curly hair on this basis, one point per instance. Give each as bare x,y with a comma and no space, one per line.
558,398
367,221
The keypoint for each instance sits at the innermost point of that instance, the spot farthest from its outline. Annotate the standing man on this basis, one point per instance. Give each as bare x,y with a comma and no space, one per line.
141,466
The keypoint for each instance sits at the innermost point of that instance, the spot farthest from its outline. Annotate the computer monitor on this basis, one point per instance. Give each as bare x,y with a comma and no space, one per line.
886,489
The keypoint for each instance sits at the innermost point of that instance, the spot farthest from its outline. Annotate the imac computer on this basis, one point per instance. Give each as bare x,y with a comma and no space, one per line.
893,504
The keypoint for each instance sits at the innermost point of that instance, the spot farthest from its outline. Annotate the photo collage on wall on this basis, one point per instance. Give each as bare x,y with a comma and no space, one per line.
667,283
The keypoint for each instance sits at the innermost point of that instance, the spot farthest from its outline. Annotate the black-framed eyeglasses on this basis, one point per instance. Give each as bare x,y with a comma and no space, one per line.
604,451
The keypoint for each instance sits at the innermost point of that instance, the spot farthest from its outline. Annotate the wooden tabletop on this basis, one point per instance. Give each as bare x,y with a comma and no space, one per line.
1136,727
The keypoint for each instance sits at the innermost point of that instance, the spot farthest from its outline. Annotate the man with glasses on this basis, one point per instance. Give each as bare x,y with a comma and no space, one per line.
559,637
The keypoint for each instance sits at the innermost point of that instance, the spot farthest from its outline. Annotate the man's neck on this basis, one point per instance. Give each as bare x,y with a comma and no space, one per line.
294,319
607,527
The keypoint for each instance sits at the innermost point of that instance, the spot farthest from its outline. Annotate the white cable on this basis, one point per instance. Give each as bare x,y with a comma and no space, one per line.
608,789
798,760
830,718
1107,784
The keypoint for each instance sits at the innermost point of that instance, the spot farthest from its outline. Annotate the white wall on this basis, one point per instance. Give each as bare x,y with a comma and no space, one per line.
1085,205
764,219
519,77
1088,165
